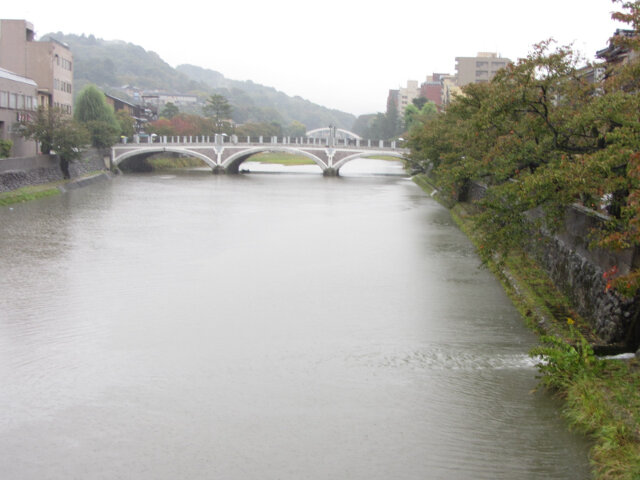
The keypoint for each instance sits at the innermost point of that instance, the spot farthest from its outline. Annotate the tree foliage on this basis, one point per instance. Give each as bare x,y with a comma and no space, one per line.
219,109
183,124
5,148
57,133
542,135
169,111
126,123
92,110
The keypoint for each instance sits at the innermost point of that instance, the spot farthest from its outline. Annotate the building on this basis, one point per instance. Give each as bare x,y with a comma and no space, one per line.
137,112
450,89
617,54
48,63
432,88
18,100
479,69
406,96
161,99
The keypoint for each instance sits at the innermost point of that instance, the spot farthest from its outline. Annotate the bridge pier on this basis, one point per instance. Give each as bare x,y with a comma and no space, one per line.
218,170
331,172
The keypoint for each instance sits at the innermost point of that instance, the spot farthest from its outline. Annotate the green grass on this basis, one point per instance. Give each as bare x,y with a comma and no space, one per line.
281,158
168,163
386,157
601,397
33,192
26,194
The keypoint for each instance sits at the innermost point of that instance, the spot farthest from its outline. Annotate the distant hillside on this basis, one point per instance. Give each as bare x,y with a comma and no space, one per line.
254,102
112,64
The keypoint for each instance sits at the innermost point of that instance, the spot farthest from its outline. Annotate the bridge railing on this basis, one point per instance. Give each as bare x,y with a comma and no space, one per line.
224,139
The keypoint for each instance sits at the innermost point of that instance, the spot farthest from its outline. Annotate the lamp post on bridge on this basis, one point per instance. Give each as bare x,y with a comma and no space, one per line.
332,136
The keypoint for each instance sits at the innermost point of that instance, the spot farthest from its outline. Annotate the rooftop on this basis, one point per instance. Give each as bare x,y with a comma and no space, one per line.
7,75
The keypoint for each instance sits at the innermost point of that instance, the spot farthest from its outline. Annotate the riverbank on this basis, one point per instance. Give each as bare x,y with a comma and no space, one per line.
600,395
33,192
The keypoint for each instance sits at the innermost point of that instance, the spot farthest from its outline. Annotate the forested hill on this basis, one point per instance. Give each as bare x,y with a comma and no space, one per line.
112,64
255,102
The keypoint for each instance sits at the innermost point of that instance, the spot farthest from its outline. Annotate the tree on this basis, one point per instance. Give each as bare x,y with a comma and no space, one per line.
296,129
391,120
410,113
540,135
420,102
169,111
126,123
57,133
98,117
219,109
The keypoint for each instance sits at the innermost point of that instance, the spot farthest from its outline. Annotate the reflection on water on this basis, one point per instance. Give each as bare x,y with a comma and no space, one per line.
262,327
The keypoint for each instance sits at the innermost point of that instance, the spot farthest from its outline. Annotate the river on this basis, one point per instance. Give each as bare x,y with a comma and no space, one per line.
263,326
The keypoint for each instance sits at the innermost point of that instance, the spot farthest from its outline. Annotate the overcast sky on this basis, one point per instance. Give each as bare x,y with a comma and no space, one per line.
343,54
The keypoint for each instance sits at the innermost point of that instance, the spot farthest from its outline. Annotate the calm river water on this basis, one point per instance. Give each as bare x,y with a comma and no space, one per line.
262,326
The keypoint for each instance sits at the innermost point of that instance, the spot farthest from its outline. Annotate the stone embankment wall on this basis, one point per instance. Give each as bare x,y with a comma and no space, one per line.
27,171
579,270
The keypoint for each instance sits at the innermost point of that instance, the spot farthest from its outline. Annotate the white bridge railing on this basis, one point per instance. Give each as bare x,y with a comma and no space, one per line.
229,140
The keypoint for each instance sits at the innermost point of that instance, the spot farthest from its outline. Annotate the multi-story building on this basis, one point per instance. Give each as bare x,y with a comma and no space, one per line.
18,100
49,63
406,95
432,88
480,68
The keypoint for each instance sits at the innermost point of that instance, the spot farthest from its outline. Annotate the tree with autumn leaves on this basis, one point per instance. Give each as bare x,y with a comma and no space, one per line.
544,134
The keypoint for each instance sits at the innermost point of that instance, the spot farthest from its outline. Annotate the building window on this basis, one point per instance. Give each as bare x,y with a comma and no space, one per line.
13,100
4,99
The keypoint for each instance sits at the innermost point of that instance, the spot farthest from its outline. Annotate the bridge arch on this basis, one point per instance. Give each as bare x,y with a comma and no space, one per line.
232,164
340,163
149,150
325,132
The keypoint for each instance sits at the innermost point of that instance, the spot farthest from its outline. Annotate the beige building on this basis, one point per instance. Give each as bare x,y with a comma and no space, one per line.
18,100
481,68
48,63
450,89
406,95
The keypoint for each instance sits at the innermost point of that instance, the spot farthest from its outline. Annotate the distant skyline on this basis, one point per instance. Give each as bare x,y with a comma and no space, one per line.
340,54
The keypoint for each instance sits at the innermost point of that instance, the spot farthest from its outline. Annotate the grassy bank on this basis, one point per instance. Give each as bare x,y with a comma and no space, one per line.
34,192
26,194
281,159
169,163
601,397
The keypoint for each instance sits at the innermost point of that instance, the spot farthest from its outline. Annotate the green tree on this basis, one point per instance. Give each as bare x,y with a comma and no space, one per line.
5,148
126,123
392,125
420,102
296,129
57,133
541,135
219,109
98,117
169,111
410,113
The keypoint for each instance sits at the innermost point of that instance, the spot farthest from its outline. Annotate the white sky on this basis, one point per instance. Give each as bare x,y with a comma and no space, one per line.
343,54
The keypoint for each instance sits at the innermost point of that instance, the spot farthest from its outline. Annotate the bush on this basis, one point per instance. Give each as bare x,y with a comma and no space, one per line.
5,148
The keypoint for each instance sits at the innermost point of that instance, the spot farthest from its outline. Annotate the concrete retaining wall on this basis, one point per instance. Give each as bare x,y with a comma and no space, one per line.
27,171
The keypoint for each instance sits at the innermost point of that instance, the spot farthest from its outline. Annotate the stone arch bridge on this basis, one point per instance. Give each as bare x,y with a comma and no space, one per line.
225,154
